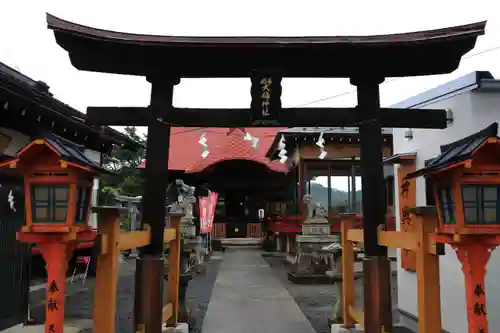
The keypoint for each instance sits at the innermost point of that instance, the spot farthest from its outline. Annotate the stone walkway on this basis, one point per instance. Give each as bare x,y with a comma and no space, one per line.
248,297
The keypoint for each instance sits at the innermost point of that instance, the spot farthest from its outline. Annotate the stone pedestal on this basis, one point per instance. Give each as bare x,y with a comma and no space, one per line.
311,261
194,245
338,328
188,228
337,315
184,316
183,311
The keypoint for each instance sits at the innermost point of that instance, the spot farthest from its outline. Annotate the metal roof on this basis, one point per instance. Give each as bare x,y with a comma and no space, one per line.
396,158
457,151
72,152
477,81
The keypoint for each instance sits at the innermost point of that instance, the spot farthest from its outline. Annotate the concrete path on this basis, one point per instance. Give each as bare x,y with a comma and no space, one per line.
247,297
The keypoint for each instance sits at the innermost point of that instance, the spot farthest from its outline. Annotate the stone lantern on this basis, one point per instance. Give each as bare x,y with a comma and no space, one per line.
57,182
467,188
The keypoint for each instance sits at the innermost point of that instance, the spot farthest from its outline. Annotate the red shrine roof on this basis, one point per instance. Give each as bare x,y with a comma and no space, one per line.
185,151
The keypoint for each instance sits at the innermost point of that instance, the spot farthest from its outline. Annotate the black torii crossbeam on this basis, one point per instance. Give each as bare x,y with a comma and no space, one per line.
288,117
366,60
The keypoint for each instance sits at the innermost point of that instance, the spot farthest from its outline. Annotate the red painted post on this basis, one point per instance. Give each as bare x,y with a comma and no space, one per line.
474,258
56,256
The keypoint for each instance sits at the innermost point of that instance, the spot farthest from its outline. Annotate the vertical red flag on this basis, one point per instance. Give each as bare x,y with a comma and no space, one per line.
203,202
211,211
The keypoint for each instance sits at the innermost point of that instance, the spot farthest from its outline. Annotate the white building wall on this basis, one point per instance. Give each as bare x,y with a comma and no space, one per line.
472,112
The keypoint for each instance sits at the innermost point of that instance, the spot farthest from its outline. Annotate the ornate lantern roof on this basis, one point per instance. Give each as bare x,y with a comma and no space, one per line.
467,178
58,181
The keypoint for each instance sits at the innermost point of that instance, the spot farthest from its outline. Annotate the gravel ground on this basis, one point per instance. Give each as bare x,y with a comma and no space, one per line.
79,299
200,291
317,301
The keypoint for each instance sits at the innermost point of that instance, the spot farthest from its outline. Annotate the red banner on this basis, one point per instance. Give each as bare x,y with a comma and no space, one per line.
204,227
207,211
212,205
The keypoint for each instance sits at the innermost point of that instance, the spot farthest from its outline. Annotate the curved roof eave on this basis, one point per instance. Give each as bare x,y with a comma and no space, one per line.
428,52
69,28
202,165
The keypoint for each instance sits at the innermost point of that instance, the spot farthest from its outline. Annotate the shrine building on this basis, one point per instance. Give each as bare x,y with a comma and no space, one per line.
250,178
472,102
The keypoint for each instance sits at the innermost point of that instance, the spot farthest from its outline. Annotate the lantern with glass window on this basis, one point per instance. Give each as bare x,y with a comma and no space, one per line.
471,206
467,188
468,192
58,182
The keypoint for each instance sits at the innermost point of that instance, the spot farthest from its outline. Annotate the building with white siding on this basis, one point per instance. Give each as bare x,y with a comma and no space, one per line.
474,103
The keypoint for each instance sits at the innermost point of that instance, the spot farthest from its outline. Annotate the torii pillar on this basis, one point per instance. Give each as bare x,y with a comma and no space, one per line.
376,266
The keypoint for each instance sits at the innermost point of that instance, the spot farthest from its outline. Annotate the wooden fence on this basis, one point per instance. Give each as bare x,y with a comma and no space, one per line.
112,241
418,239
254,230
219,230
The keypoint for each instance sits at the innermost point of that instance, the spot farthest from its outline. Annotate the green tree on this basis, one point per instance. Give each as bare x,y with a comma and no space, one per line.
125,179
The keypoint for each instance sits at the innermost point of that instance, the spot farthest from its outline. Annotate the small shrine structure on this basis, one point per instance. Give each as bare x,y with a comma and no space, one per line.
310,152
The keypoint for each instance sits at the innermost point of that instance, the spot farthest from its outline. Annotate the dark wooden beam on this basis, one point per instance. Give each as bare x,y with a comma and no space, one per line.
118,116
372,182
149,275
288,117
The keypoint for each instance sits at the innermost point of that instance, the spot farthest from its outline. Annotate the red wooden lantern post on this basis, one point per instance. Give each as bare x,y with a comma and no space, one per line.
57,183
467,189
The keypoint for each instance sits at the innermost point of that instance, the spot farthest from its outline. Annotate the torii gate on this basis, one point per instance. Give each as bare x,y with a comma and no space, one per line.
365,60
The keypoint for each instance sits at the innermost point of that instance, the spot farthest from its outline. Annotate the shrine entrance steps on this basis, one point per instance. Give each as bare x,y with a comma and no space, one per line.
248,297
241,242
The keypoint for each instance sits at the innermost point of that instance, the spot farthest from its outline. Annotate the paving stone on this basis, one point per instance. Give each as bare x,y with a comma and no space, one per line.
248,297
39,329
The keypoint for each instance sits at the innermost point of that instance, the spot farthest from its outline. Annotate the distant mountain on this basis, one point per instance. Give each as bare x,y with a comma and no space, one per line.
339,197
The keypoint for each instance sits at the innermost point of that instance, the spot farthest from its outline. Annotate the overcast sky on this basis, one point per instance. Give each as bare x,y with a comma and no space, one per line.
27,45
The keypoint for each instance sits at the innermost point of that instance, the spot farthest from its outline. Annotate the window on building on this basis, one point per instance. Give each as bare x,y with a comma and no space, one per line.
447,205
481,204
49,202
83,197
